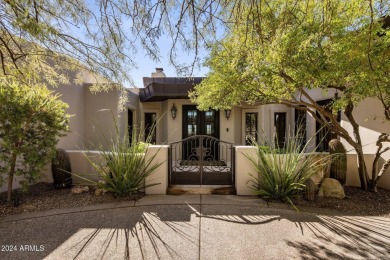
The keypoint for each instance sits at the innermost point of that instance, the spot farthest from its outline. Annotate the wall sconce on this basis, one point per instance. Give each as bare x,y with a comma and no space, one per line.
228,112
173,111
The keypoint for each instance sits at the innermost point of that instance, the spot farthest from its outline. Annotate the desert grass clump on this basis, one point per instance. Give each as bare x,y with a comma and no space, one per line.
281,172
124,166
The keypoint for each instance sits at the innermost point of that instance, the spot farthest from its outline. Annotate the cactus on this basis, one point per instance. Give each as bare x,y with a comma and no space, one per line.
310,190
338,166
61,170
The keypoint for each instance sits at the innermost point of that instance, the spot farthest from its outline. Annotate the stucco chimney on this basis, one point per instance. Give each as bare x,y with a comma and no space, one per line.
159,73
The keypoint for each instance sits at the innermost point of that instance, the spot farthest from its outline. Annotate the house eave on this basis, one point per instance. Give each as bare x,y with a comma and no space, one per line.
160,89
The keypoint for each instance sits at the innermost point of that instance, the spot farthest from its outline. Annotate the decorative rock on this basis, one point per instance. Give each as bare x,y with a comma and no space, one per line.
331,188
100,191
79,189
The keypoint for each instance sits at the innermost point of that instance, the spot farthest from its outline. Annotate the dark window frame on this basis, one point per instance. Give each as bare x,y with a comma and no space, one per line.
300,127
130,124
200,122
256,123
323,133
150,126
280,141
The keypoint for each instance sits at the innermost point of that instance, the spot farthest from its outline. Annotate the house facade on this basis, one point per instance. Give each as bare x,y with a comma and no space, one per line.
164,101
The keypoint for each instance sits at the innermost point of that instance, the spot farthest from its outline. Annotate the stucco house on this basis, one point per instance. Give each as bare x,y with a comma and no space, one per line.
164,100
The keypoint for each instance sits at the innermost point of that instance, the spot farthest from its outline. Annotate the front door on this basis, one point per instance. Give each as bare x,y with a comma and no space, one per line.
196,122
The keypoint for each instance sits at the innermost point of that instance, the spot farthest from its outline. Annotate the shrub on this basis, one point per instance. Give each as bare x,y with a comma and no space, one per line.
282,172
338,167
125,166
62,170
31,120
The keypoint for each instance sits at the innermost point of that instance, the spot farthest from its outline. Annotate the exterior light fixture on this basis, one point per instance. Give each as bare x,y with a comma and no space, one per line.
173,111
228,112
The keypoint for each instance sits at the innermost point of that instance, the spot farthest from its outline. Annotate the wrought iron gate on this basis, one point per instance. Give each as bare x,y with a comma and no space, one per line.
201,160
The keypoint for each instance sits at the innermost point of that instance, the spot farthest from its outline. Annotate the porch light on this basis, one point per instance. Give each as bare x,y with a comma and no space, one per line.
173,111
228,112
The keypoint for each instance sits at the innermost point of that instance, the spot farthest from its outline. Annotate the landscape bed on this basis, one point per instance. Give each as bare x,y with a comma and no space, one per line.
42,197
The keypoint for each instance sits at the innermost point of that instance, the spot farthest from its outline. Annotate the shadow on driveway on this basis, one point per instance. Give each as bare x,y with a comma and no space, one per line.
196,231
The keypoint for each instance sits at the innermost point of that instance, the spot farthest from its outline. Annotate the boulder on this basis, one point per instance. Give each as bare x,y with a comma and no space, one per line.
331,188
323,171
79,189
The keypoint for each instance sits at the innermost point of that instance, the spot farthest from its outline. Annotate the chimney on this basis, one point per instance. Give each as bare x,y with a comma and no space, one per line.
159,73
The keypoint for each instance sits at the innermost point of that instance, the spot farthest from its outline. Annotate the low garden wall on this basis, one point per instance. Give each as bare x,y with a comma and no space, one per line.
243,166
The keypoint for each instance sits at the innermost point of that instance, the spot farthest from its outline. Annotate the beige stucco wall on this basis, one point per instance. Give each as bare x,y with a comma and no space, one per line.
160,175
100,110
243,169
369,115
73,95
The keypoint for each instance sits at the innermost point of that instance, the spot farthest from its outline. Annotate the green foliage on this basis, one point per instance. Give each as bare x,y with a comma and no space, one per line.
101,36
283,175
338,167
286,46
61,169
31,121
125,165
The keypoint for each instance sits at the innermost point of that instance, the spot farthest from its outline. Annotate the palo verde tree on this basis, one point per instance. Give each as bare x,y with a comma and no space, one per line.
282,49
42,40
31,121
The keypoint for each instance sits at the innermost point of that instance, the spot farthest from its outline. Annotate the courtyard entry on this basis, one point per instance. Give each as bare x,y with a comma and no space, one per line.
201,160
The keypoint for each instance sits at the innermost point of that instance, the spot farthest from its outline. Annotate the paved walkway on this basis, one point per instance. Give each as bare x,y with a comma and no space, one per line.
192,227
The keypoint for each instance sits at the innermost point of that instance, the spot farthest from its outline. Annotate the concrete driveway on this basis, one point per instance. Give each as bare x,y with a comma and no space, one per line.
192,227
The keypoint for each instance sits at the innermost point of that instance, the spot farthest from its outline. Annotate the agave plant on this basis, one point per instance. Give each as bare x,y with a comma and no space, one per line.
125,165
281,172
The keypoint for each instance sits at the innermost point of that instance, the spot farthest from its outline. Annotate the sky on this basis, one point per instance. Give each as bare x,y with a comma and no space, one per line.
146,65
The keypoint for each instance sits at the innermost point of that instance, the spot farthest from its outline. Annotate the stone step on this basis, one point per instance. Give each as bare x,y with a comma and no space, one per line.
200,190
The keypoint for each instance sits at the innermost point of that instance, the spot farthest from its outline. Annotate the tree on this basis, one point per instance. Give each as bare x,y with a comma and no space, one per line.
42,40
31,120
282,49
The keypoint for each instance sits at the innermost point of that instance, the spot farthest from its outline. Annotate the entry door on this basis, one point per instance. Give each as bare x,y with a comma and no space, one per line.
196,122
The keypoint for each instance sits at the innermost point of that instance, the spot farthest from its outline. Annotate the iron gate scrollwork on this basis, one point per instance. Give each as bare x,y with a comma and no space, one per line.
201,160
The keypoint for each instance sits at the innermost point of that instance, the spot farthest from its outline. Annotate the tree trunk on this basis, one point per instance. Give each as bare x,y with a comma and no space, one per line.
363,175
11,177
362,169
374,182
384,137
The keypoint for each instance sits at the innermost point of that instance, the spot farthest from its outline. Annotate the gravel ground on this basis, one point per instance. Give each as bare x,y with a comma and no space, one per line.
43,197
356,201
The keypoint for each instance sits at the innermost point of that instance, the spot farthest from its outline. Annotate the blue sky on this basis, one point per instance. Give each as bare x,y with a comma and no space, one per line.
146,65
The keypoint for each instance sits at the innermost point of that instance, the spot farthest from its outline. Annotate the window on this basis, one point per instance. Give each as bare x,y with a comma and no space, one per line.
130,124
300,126
150,127
323,133
280,129
197,122
250,128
